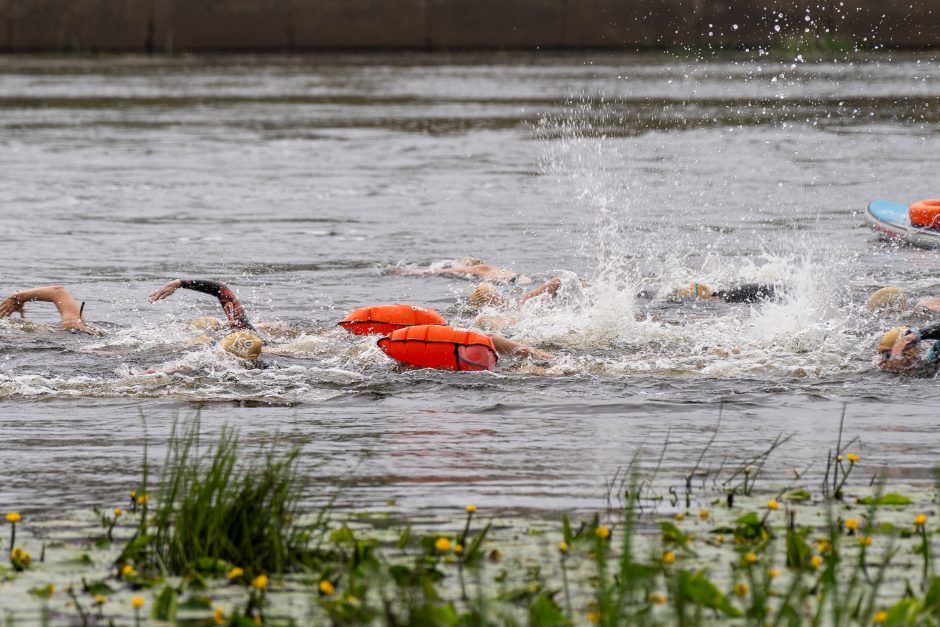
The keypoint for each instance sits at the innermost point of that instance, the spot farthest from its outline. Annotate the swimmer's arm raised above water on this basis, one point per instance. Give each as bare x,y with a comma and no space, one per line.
930,332
70,310
237,318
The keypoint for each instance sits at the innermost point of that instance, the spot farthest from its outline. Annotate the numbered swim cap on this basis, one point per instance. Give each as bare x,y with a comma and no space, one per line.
243,345
887,299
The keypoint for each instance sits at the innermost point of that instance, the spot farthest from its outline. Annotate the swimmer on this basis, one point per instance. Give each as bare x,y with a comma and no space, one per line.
245,346
895,300
899,350
471,267
237,318
71,312
744,293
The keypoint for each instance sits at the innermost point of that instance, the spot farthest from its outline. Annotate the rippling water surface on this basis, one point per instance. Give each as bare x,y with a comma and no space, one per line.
309,183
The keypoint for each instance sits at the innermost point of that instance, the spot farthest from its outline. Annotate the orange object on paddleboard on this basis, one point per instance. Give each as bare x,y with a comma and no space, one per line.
383,319
926,213
441,347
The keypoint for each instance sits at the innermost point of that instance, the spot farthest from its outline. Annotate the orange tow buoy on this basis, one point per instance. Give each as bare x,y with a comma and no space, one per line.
441,347
926,213
383,319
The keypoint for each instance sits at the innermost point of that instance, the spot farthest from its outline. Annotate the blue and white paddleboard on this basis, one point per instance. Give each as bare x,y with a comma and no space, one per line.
892,220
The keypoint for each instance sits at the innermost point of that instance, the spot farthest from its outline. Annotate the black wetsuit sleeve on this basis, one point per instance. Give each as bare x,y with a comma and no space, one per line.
930,332
237,318
748,293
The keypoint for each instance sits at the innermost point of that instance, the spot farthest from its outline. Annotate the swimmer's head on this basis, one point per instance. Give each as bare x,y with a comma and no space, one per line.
80,326
485,295
908,360
888,300
242,344
207,324
471,261
694,291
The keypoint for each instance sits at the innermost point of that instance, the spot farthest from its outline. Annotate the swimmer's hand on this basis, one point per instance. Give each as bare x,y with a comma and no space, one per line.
10,305
901,345
166,291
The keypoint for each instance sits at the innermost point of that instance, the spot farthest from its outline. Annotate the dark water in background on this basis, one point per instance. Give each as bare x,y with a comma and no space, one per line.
303,181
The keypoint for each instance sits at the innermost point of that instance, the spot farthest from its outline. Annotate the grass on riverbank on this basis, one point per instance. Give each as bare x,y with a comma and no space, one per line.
225,543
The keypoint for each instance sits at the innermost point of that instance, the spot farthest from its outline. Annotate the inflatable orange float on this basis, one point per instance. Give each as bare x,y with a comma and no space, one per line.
383,319
926,213
440,347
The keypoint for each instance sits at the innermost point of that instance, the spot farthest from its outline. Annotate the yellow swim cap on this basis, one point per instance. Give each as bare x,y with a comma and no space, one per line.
888,299
212,324
694,291
485,294
243,345
891,336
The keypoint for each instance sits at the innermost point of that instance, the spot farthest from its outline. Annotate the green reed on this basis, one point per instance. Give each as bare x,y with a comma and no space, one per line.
213,509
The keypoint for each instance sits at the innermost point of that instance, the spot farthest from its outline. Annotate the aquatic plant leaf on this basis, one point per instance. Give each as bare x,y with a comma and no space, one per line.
932,598
699,590
566,529
544,612
674,535
196,602
164,608
886,499
43,592
797,495
343,535
904,612
211,566
798,551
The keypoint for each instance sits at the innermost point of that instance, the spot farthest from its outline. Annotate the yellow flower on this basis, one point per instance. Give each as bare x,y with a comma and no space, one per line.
920,520
880,617
235,573
133,494
852,457
127,570
773,572
680,516
851,524
117,512
563,547
326,587
669,557
751,558
471,508
602,532
773,504
13,517
720,539
442,545
257,620
219,616
838,458
703,514
865,540
142,499
816,561
657,599
740,589
594,617
458,549
260,582
823,545
16,553
137,602
100,599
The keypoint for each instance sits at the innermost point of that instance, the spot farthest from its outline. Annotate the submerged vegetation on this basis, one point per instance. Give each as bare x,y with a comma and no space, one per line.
224,542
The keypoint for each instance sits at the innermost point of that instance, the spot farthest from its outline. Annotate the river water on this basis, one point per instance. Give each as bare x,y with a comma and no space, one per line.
308,184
